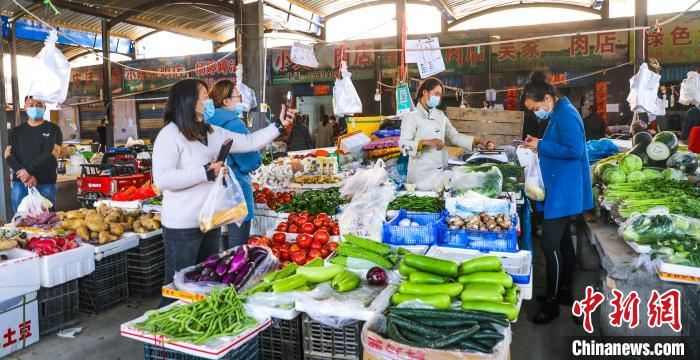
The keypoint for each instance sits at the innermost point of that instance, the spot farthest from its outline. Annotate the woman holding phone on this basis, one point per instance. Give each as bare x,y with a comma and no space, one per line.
185,167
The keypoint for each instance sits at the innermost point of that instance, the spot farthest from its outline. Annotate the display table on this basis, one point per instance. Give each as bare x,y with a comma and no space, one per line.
621,269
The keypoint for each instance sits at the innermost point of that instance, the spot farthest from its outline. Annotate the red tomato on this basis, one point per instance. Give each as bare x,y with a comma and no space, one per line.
322,236
332,224
301,220
266,191
284,254
277,253
294,248
294,229
314,253
308,228
304,213
327,223
316,245
283,227
335,231
317,223
287,198
332,246
324,228
304,241
279,238
272,206
299,258
325,252
292,217
260,198
322,216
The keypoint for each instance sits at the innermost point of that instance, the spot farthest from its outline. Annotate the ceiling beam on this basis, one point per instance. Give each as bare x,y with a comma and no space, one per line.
145,35
218,46
298,33
293,13
22,13
221,8
365,5
524,6
444,9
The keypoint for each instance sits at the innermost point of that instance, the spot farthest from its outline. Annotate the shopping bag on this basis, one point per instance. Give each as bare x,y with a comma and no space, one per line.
50,73
534,185
224,205
345,98
34,204
690,89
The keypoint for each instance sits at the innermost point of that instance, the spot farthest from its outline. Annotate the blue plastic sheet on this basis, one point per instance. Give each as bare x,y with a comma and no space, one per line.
600,149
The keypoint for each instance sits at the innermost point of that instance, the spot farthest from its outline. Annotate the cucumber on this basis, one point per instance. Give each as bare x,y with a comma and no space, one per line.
411,325
441,315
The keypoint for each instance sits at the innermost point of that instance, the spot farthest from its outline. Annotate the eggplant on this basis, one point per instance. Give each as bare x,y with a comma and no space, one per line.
211,261
243,274
228,279
222,266
257,255
205,278
239,259
193,275
215,277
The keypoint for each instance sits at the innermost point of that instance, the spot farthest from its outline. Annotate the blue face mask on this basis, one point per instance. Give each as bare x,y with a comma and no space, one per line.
543,114
434,101
240,108
208,109
35,113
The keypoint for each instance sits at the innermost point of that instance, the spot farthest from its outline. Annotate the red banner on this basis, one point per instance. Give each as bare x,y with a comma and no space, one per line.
512,98
601,100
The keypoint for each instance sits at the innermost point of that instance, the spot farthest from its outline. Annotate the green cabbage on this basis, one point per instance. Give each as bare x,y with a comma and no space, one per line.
630,163
636,176
673,174
652,174
614,176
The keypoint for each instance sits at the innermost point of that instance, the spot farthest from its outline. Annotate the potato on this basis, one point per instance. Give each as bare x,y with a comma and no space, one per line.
61,215
105,237
83,232
138,227
127,226
129,220
94,218
74,214
113,218
97,226
156,217
116,229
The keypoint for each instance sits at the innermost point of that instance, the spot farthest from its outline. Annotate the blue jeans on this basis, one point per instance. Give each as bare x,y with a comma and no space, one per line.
19,191
238,235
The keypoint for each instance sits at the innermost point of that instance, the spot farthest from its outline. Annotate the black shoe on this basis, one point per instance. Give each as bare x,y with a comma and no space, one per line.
564,297
549,311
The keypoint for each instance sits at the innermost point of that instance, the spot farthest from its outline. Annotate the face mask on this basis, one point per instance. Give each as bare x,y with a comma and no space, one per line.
543,114
434,101
241,107
208,109
35,113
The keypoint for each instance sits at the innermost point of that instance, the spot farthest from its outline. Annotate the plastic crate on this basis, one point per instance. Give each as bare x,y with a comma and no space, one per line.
58,307
147,285
147,246
106,287
424,234
146,268
247,351
505,241
282,340
325,342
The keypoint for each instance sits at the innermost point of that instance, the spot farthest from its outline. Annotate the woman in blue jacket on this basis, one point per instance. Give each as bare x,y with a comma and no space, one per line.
227,100
567,183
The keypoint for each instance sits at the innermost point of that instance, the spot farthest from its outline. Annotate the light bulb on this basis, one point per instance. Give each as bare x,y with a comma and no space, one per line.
153,107
312,84
377,95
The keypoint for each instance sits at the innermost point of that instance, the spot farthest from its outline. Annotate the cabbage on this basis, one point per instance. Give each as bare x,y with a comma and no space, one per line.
673,174
636,176
614,176
600,169
630,163
652,174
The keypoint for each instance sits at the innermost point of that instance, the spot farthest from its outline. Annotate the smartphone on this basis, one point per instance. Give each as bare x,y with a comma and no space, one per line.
290,100
518,142
225,149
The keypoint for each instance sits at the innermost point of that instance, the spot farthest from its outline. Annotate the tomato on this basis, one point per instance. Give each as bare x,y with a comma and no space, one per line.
304,213
294,248
266,241
283,227
287,198
301,220
322,216
308,228
335,231
317,223
322,236
332,246
325,252
277,253
324,229
266,191
316,245
314,253
311,219
260,199
299,258
304,241
279,238
292,217
294,228
332,224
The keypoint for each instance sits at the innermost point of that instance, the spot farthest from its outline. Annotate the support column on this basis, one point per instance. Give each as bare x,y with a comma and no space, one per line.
640,19
106,82
253,50
15,81
5,191
400,17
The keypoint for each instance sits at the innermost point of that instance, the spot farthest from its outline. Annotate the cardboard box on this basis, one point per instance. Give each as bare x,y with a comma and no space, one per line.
19,323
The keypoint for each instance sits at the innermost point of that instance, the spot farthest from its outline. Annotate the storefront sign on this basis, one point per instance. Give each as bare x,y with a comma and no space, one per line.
598,50
361,65
677,42
208,69
86,81
135,81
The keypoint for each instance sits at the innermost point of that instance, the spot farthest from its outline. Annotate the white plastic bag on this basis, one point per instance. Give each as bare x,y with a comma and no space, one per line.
50,73
364,180
364,215
643,89
690,89
225,204
534,185
34,204
345,98
489,183
436,181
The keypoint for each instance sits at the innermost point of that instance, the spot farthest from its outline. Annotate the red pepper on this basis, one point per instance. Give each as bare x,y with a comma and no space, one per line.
32,242
71,245
45,243
61,241
51,251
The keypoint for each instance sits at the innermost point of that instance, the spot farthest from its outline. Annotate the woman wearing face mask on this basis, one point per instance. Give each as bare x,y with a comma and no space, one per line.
425,132
229,109
567,182
185,167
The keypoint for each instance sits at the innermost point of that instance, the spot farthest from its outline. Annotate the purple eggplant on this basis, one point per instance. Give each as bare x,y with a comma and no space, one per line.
239,259
222,266
193,275
257,255
228,278
215,277
213,260
205,278
243,274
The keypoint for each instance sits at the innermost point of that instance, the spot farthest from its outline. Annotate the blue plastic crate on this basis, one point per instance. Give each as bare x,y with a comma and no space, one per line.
506,241
424,234
248,351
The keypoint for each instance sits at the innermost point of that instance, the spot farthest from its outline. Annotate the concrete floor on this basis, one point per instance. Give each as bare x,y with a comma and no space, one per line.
100,339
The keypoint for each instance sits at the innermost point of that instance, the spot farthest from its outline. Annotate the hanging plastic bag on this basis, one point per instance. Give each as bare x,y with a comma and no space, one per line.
643,89
34,204
690,89
534,184
50,73
364,180
345,98
225,204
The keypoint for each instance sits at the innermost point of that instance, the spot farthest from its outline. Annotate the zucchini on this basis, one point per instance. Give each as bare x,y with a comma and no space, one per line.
438,301
482,263
485,287
499,278
658,151
431,265
451,289
480,295
504,308
405,270
668,138
419,277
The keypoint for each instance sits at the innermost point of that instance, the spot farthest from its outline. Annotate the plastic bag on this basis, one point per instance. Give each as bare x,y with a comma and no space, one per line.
266,265
34,204
364,180
690,89
50,73
365,214
643,89
489,183
473,203
436,181
658,224
601,149
225,204
345,98
534,184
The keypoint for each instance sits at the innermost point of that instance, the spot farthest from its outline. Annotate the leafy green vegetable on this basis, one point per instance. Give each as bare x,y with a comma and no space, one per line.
673,174
314,201
636,176
680,197
417,203
630,163
652,174
614,176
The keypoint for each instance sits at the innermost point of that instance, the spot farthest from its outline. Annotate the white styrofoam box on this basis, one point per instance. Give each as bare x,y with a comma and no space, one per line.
639,249
19,274
125,205
684,274
68,265
518,265
526,289
150,234
19,317
213,349
416,249
126,242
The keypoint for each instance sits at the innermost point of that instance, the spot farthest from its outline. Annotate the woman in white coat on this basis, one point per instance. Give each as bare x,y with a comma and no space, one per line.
426,131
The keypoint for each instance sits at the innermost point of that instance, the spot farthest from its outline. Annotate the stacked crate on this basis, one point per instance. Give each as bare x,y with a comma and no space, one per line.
58,307
106,287
146,267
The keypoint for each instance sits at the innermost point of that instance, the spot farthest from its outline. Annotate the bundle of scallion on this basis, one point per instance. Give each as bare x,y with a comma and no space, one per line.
680,197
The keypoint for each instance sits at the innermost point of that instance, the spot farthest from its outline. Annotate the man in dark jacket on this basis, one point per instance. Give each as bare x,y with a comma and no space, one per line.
594,125
692,119
299,137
